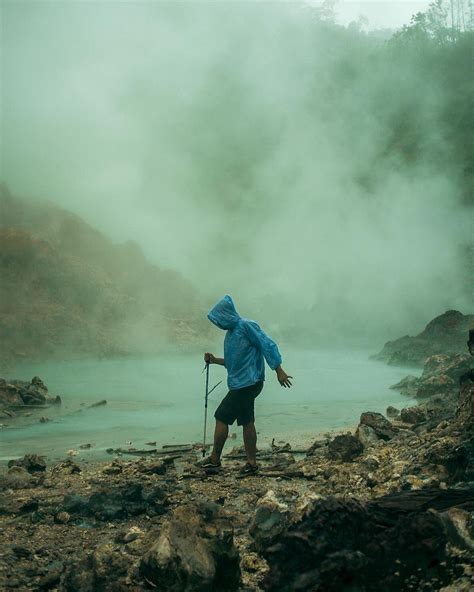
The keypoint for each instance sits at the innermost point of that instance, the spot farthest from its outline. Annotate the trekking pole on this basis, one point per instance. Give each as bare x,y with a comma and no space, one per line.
205,411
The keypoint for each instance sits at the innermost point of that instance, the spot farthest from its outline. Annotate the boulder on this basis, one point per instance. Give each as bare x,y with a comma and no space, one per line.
380,424
454,459
194,552
116,503
9,394
20,392
16,478
270,518
366,435
459,528
450,365
345,447
392,411
392,543
434,385
104,569
31,462
407,386
415,414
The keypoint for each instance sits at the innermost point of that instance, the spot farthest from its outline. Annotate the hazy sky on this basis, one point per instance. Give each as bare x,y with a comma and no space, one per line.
205,133
381,14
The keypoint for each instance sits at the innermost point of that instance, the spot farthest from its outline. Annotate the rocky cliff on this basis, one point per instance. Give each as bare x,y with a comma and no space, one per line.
445,334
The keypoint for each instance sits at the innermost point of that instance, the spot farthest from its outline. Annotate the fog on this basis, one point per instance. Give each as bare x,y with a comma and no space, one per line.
247,146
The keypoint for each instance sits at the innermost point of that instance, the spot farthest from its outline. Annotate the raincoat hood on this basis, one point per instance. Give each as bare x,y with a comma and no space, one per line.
224,315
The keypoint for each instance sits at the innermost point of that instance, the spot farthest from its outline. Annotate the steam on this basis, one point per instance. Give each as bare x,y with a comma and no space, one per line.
245,145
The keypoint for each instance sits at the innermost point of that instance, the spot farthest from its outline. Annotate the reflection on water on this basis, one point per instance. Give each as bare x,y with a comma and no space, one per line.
162,399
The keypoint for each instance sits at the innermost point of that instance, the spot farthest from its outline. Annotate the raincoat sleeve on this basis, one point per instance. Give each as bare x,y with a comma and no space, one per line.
265,344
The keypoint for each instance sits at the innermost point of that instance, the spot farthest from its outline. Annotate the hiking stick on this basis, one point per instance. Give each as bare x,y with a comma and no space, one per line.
205,411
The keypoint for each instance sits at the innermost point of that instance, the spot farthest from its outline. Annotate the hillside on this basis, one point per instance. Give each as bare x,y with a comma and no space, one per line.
68,289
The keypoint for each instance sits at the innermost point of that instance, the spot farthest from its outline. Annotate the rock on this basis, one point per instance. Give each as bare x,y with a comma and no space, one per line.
445,334
67,467
16,478
450,365
392,411
459,528
114,468
455,459
98,404
414,414
36,381
345,447
44,419
270,518
71,452
73,504
194,552
116,503
153,467
317,445
102,570
9,394
349,545
381,426
441,407
31,462
370,463
133,534
366,435
31,505
51,579
62,518
434,385
411,482
465,408
407,386
20,551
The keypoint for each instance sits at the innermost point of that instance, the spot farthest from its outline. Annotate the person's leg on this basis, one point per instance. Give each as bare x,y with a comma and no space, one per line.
250,442
220,436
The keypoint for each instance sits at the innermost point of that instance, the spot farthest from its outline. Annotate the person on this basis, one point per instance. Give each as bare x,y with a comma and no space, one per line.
246,347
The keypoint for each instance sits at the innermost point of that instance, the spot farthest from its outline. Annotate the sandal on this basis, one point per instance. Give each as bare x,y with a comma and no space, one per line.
249,469
207,464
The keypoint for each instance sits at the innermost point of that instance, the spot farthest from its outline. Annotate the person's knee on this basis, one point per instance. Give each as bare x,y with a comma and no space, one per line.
221,426
249,426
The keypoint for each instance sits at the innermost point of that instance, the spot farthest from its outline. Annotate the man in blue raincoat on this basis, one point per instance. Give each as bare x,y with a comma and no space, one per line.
246,347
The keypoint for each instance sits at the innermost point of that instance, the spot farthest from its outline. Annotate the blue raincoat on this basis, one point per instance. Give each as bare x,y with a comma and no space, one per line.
245,346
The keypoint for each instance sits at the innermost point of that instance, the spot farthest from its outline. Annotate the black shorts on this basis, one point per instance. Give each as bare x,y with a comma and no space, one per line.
239,405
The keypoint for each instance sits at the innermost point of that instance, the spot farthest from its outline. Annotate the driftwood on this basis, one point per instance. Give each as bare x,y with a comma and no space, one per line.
26,407
268,454
406,502
169,452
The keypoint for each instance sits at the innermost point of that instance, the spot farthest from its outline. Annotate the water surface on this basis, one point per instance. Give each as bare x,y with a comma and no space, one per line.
162,399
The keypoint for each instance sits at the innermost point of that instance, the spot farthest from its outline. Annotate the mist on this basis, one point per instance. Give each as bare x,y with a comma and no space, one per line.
248,146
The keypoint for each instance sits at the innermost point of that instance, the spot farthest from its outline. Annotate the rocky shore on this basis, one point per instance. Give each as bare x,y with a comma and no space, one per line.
389,506
445,334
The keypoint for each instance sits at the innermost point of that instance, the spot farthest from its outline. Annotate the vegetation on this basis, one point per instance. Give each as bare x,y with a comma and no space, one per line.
67,289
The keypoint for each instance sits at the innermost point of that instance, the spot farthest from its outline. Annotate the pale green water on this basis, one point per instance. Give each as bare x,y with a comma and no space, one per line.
162,399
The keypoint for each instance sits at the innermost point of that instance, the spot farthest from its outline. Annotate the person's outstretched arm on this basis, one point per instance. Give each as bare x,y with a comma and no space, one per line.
270,351
211,359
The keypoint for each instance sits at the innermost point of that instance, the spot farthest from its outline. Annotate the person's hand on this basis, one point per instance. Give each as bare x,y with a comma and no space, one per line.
209,358
283,377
